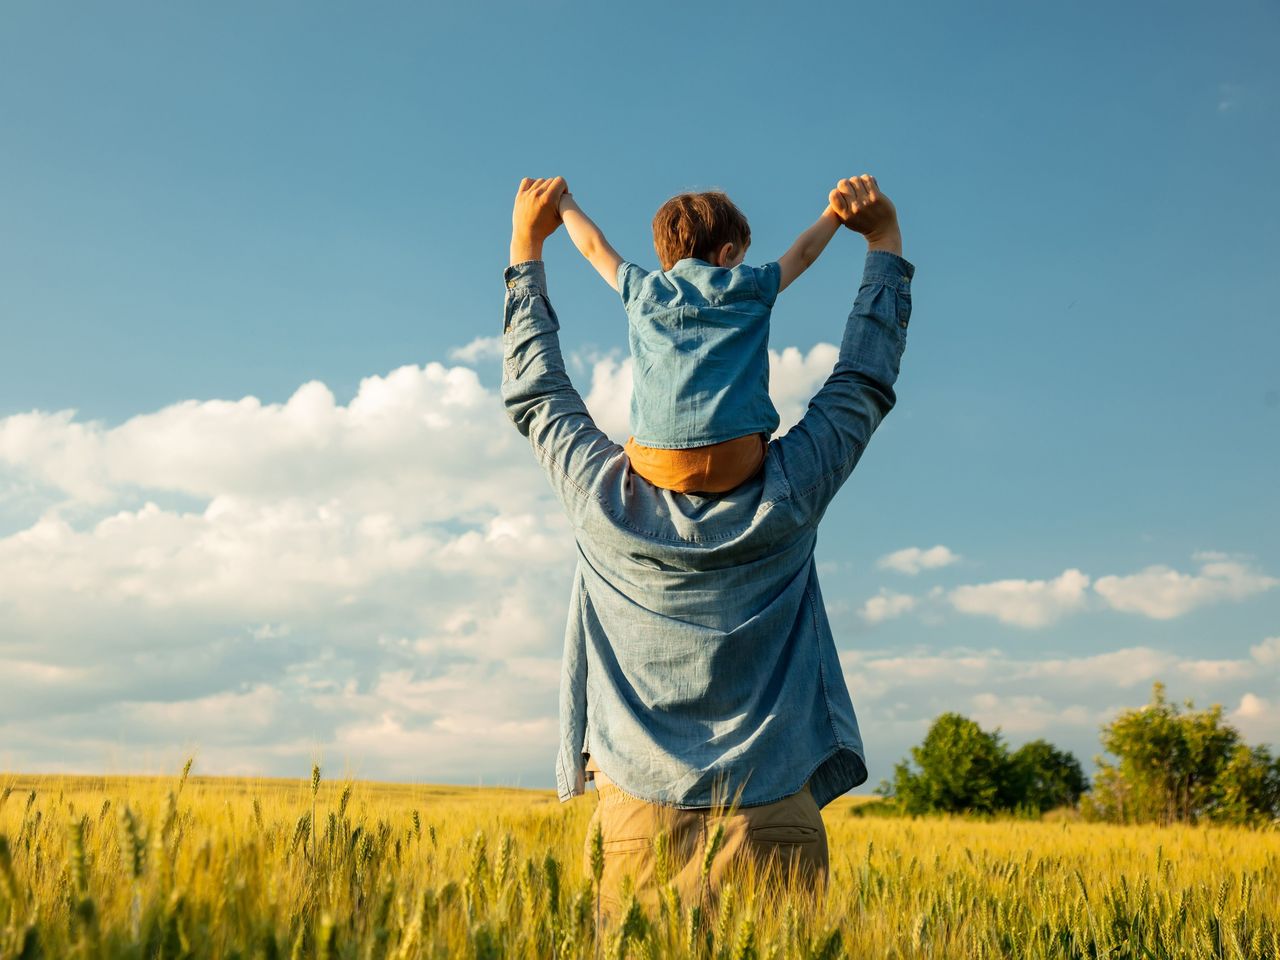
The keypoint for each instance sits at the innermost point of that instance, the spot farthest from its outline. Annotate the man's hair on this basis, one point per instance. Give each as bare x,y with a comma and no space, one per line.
697,225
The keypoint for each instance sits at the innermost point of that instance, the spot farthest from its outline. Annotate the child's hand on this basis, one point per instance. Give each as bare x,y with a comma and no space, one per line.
862,207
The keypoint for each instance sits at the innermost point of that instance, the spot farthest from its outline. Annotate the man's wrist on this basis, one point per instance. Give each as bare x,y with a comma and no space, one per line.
525,248
887,240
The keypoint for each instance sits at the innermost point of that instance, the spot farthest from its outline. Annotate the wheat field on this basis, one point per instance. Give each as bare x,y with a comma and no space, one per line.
214,867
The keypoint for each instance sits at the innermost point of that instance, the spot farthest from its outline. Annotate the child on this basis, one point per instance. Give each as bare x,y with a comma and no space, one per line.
699,332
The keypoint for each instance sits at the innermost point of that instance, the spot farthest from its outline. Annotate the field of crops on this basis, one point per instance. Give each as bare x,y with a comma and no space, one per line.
202,867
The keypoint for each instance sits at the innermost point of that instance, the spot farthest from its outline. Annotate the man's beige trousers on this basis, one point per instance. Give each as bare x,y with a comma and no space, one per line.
785,839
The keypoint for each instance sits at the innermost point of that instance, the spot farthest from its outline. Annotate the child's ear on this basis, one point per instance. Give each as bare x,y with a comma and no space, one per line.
725,254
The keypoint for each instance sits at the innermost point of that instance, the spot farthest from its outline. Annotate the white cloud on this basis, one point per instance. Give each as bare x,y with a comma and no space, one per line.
1267,652
1162,593
481,348
886,606
1205,670
1122,668
911,560
258,578
1024,603
1157,592
1062,698
385,580
1252,707
1258,719
430,440
794,378
1031,715
609,398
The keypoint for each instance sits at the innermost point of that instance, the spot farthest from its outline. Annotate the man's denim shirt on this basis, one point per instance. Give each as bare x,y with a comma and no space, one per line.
697,653
699,338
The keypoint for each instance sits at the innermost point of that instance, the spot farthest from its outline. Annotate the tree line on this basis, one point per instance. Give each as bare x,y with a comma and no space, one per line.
1164,764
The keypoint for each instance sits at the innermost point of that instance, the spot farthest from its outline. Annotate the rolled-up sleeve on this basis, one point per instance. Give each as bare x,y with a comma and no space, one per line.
539,397
820,452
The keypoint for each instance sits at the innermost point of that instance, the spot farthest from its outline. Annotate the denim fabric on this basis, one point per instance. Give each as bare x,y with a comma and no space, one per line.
697,650
700,341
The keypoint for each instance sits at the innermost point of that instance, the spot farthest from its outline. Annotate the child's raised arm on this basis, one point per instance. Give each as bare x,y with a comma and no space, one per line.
807,247
590,241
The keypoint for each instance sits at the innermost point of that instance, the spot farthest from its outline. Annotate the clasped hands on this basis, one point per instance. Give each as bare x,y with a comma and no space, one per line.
857,201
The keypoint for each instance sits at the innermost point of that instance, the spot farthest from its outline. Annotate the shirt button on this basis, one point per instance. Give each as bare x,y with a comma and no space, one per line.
511,284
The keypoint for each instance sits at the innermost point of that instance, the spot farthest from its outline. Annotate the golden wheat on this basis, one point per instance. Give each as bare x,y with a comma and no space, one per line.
204,867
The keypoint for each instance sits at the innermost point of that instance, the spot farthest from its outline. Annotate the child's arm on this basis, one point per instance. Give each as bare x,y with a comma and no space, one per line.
806,248
590,241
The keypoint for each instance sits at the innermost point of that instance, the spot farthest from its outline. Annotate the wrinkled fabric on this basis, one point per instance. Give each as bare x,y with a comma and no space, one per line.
698,657
786,840
699,338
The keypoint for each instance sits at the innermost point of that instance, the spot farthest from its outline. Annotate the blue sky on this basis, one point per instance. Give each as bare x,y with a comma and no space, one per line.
203,204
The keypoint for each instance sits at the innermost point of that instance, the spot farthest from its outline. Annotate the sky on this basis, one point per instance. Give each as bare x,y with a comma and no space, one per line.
259,500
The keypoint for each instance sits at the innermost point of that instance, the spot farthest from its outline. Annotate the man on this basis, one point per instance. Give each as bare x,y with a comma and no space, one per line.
698,657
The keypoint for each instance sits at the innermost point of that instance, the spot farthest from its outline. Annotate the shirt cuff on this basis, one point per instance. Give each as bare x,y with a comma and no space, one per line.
527,277
886,267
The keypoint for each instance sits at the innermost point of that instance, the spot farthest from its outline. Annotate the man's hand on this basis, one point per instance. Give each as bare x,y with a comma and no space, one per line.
861,206
535,216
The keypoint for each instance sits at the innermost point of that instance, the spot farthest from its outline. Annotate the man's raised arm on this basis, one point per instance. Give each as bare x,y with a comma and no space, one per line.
820,451
536,390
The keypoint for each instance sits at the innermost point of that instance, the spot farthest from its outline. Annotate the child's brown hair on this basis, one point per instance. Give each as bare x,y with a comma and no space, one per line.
697,225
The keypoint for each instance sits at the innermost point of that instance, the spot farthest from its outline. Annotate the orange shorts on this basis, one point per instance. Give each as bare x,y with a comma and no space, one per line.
711,469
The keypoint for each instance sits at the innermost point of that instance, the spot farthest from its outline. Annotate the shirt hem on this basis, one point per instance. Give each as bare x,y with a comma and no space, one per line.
824,790
711,441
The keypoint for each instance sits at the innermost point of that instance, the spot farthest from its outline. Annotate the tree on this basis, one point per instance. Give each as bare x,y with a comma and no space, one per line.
1173,765
1043,777
961,768
1248,788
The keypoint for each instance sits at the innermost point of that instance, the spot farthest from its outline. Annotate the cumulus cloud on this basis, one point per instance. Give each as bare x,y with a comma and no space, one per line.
1029,715
265,578
1024,603
794,377
886,606
481,348
431,440
1163,593
383,579
1157,592
1267,652
609,397
1122,668
1063,698
911,560
1258,718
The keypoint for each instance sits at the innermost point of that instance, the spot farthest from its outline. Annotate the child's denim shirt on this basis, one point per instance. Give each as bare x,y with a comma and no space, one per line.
700,342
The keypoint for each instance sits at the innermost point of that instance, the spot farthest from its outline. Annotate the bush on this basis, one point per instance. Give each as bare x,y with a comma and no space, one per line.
962,768
1044,777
